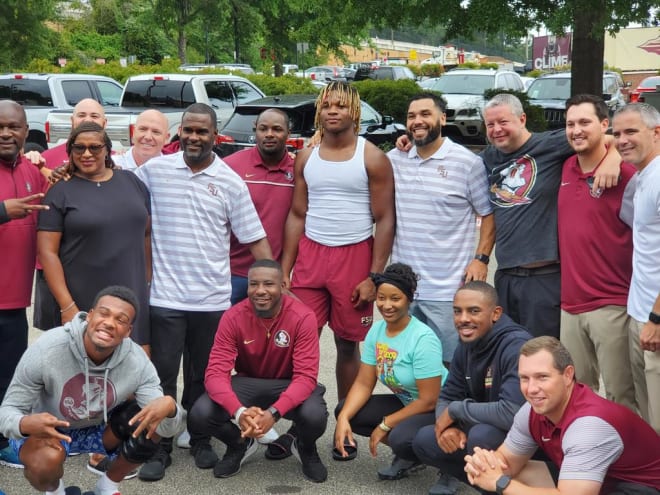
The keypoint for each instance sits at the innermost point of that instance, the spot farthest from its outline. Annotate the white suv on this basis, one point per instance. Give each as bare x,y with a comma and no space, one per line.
464,91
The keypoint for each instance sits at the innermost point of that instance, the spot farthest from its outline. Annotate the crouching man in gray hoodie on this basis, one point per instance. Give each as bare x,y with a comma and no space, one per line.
86,387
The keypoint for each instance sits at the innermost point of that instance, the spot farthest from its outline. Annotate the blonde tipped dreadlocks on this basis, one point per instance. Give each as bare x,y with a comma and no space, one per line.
347,95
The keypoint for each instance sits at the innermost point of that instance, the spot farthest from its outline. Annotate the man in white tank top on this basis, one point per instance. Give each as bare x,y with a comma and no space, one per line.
342,187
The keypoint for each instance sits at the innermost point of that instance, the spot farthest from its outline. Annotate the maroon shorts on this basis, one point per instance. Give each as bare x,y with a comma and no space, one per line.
324,278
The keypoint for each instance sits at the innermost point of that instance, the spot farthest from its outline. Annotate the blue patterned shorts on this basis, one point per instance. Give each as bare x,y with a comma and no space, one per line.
83,441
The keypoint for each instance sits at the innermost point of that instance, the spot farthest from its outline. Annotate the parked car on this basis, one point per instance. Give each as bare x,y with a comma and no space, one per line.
550,92
301,109
527,81
42,93
242,68
464,91
647,85
392,72
169,93
326,73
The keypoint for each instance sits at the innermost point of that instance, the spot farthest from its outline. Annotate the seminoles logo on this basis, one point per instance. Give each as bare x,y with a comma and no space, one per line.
512,183
75,403
651,46
366,321
282,338
288,175
212,189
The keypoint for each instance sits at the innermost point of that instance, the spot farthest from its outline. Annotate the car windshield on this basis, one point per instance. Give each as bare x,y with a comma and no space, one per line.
650,82
559,88
467,84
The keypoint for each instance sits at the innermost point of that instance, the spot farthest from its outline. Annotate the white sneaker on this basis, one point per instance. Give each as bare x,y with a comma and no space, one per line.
183,440
269,437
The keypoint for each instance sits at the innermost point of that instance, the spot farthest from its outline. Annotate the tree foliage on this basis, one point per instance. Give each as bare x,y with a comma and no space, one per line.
588,19
24,33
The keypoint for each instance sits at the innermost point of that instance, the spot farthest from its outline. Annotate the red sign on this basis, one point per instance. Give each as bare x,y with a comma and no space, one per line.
551,51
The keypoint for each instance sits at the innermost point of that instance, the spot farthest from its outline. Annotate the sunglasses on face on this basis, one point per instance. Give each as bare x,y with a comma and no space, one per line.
94,149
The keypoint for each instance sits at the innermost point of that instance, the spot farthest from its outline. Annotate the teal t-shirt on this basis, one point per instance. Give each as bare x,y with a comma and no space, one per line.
414,354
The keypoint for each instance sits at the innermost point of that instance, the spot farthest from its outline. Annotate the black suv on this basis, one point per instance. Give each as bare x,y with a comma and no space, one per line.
239,131
551,91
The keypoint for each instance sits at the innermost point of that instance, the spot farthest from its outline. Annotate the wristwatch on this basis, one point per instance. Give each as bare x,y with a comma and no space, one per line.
275,413
502,483
484,258
654,318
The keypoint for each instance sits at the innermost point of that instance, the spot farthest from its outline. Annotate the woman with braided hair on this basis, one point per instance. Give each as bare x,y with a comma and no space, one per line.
406,356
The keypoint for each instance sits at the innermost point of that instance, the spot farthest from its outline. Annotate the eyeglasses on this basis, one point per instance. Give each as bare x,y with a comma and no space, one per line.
94,149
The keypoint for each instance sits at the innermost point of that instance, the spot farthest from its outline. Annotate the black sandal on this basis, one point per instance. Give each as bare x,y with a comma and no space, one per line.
281,448
350,450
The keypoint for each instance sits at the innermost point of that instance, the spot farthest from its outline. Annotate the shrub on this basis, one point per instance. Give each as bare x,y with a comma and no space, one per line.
389,97
287,84
432,70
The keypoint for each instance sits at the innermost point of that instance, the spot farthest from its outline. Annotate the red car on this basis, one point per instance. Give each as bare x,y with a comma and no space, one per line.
647,85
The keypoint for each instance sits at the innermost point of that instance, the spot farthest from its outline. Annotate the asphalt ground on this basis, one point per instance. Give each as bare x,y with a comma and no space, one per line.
258,475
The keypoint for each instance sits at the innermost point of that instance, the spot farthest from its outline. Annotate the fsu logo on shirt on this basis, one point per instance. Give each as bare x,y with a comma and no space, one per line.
282,338
513,181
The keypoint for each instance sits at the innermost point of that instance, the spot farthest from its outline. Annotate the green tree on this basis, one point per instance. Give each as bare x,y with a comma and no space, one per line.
24,34
588,19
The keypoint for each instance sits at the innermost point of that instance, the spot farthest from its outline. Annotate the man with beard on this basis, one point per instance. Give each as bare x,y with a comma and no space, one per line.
196,202
481,396
270,340
441,187
267,169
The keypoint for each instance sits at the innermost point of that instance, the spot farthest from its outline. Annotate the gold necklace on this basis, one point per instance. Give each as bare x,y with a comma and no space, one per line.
268,328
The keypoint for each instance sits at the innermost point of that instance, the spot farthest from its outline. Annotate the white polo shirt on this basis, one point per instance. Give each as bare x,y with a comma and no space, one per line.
193,215
437,201
645,283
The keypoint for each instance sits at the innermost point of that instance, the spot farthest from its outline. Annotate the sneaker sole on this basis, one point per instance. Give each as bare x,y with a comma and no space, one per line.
99,472
12,465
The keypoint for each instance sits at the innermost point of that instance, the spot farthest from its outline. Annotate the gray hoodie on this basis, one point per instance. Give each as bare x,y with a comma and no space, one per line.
56,376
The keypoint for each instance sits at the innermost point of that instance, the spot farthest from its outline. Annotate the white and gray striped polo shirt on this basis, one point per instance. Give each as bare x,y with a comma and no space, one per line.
437,200
192,217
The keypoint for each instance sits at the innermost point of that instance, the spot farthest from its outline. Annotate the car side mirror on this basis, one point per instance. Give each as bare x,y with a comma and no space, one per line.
388,119
607,96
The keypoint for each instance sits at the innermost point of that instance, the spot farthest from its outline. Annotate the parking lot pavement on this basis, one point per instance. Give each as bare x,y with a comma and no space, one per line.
258,475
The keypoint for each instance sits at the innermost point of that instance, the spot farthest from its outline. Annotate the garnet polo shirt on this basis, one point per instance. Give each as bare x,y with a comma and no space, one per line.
595,243
271,190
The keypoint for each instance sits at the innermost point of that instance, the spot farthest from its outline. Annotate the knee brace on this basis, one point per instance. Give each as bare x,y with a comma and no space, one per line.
138,450
120,417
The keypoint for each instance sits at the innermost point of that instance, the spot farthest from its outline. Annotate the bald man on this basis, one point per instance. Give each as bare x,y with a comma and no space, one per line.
150,135
21,190
87,110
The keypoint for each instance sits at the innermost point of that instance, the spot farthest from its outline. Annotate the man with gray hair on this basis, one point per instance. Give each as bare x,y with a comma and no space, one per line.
636,130
524,171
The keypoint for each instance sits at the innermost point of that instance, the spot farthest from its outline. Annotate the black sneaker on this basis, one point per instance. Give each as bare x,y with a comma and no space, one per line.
205,458
233,459
102,467
312,467
154,469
